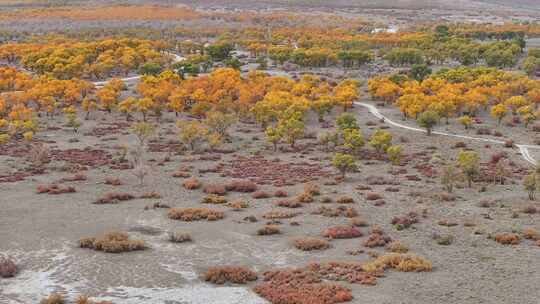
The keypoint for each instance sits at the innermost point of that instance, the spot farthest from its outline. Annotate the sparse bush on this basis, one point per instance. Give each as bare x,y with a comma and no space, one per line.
260,195
179,237
150,195
281,193
277,214
304,197
507,238
345,200
377,238
397,247
269,230
191,184
54,298
372,196
112,242
335,212
342,232
405,221
114,198
530,234
289,204
300,286
312,189
55,189
214,199
245,186
232,274
238,205
113,181
8,268
215,189
194,214
400,262
311,243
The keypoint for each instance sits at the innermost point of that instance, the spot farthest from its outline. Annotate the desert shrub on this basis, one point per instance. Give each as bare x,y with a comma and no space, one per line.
113,181
289,204
447,223
112,242
269,230
312,189
214,199
232,274
194,214
530,234
345,200
342,232
179,237
326,200
75,178
114,198
55,189
405,221
359,222
260,195
445,239
529,209
157,205
304,197
191,184
300,286
150,195
238,205
215,189
372,196
8,268
335,212
281,193
311,243
245,186
54,298
377,238
277,214
397,247
397,261
507,238
181,174
351,272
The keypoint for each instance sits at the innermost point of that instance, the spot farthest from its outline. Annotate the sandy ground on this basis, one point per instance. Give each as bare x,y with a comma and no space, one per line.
41,232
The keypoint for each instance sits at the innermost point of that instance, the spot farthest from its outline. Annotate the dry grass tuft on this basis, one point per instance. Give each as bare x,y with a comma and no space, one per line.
507,238
112,242
191,184
214,199
179,237
114,198
195,214
311,243
229,274
269,230
400,262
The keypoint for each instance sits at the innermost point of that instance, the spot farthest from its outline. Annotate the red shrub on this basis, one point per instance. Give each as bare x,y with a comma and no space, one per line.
311,243
8,268
114,198
372,196
191,184
281,193
405,221
260,195
215,189
507,238
377,238
245,186
300,286
289,204
114,181
55,189
342,232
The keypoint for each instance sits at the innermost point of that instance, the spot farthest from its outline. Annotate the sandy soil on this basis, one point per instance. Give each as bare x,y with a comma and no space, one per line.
41,231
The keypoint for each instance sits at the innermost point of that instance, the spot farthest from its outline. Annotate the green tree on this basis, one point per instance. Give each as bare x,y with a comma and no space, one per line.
344,163
428,120
274,136
380,141
347,121
353,140
469,163
191,133
394,154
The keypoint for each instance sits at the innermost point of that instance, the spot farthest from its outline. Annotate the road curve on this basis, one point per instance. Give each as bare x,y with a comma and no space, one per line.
523,148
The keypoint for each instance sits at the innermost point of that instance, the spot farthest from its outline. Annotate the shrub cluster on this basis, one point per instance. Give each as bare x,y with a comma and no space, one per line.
342,232
232,274
112,242
114,198
194,214
311,243
55,189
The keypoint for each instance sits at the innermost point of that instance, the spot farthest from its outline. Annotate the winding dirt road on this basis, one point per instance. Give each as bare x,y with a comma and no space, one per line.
523,148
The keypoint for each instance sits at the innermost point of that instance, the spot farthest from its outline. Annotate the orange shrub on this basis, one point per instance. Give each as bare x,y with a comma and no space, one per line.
311,243
191,184
223,274
112,242
194,214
